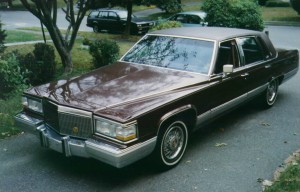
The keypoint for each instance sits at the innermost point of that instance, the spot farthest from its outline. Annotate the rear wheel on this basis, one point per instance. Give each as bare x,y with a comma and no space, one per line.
171,145
269,96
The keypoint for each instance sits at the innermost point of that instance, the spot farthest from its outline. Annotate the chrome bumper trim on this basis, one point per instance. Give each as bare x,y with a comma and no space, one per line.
84,148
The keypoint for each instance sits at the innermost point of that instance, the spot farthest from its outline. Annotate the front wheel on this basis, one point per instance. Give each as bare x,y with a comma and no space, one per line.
269,96
172,142
96,28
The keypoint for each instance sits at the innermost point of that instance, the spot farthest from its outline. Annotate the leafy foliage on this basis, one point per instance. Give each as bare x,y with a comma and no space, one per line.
104,52
12,79
245,14
170,6
2,38
46,12
167,25
40,64
296,5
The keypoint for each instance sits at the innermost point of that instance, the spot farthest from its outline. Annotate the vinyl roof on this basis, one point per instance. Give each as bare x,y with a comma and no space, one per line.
211,33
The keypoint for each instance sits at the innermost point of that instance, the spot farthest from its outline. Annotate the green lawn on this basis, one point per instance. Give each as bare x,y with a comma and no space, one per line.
20,36
289,180
280,14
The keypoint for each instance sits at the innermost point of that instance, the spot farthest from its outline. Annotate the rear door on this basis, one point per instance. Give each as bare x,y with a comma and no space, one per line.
114,22
103,20
254,60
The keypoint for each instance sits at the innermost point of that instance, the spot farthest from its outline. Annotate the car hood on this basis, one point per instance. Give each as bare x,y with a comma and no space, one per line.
139,20
115,85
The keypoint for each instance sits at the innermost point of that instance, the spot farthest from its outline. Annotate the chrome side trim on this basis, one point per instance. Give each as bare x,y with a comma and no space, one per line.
174,112
290,74
208,115
202,118
257,91
230,104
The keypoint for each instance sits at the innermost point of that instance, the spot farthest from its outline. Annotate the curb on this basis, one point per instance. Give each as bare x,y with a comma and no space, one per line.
26,42
282,23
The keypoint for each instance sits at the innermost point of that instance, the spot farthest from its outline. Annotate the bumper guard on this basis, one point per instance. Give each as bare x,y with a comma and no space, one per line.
89,148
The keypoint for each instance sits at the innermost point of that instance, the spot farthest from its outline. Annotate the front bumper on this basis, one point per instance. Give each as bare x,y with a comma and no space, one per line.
89,148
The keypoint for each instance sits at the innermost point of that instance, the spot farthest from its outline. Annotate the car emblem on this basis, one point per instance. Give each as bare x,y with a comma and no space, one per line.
75,130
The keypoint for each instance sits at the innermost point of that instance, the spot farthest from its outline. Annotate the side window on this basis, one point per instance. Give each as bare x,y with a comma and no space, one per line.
227,54
94,14
194,19
251,49
112,15
181,18
103,14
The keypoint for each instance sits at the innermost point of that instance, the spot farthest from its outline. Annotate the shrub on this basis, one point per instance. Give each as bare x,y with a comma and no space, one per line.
86,41
2,38
12,79
166,25
104,52
245,14
41,64
170,6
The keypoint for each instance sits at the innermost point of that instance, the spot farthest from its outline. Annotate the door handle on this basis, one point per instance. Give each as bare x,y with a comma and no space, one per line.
245,75
268,66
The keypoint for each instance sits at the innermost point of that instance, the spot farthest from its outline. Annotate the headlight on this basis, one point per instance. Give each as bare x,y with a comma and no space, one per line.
32,104
123,132
139,25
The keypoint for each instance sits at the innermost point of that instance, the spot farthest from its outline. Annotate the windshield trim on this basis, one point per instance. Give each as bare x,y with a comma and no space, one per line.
176,36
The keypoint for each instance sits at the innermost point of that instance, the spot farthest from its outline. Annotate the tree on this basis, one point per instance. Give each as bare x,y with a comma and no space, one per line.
2,38
243,14
169,6
296,5
46,12
129,14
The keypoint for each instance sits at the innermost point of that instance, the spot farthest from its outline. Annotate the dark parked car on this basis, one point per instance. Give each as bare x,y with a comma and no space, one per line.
115,21
190,18
166,86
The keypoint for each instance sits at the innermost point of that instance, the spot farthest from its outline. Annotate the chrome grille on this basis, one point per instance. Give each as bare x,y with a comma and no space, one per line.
75,125
67,123
51,115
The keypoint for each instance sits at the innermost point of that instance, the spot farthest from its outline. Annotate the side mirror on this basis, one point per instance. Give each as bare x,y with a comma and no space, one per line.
227,69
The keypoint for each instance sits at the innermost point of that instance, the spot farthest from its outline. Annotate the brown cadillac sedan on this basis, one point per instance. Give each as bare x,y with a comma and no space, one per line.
166,86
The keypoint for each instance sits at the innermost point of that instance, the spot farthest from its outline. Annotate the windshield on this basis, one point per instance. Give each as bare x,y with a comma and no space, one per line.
172,52
122,14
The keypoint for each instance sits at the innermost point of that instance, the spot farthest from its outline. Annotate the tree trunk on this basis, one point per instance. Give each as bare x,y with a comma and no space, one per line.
67,62
46,11
128,22
9,2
